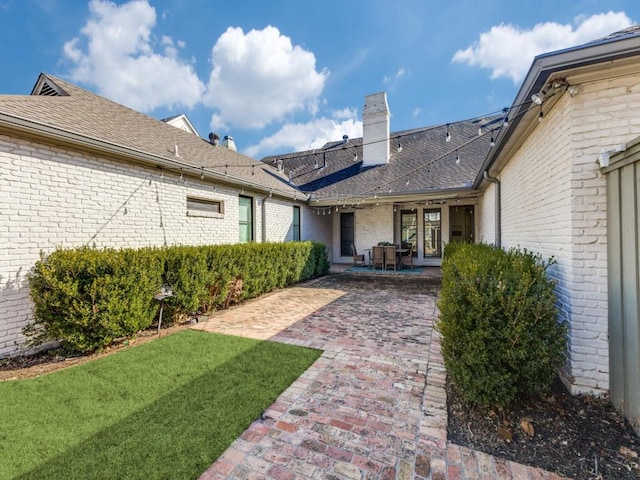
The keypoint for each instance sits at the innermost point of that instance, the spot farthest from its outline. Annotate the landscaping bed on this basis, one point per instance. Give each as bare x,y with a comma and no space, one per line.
579,437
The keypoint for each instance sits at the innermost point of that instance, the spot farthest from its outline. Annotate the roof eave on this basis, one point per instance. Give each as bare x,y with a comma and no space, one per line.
64,137
542,68
393,197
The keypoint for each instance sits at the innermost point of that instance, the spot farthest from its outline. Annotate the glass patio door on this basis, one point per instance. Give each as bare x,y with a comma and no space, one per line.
432,233
409,229
347,234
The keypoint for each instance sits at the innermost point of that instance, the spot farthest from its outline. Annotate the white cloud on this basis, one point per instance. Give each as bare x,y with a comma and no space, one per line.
508,50
344,113
259,77
398,75
115,52
306,136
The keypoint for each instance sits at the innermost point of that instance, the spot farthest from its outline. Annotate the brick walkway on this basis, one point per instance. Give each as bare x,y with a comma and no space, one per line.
373,406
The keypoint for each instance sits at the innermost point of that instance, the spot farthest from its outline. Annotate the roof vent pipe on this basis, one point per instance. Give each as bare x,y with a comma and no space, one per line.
214,139
496,182
229,143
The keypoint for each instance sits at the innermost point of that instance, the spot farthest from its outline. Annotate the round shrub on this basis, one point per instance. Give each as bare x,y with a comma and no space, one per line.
501,339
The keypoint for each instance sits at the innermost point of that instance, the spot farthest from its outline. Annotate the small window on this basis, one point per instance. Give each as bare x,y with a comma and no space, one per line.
200,207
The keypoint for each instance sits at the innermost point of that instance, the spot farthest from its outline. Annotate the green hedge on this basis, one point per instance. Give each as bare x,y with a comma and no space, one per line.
88,298
501,339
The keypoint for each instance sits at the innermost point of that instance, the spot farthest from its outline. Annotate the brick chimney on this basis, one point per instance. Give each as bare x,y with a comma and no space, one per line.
375,130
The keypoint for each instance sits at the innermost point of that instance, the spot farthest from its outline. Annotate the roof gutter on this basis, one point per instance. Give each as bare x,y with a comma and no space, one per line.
542,68
403,197
35,129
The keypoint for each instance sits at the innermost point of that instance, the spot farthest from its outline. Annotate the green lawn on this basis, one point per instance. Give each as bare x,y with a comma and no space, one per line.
166,409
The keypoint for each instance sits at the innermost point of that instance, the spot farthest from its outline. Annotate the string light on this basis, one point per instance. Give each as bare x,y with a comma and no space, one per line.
448,137
355,157
481,132
202,173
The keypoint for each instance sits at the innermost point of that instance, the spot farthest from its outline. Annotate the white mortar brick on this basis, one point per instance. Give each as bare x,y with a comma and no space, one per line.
54,197
554,203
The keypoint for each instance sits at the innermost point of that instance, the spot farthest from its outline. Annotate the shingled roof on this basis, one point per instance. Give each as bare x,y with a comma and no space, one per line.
60,109
421,162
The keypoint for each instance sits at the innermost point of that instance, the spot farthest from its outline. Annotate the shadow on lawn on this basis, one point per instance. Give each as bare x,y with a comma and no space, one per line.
181,434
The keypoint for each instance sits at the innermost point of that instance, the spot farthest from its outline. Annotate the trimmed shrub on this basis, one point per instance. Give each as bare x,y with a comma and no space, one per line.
88,298
501,339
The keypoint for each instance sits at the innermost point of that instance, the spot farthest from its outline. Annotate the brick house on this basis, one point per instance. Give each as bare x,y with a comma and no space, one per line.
407,187
555,173
551,194
77,169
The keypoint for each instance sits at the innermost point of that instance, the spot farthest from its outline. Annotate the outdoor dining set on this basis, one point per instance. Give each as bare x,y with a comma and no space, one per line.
385,257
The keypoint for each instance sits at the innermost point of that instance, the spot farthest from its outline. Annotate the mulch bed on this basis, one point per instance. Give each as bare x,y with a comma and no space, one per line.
580,437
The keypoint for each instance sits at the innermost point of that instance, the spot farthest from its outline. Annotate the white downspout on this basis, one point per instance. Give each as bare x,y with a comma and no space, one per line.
264,219
498,207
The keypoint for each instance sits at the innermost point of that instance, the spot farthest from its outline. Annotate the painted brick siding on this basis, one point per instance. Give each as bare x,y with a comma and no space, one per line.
53,197
486,216
319,228
605,114
280,220
373,224
554,203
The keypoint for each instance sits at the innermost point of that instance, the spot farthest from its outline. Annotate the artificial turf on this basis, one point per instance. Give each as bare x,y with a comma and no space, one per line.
164,409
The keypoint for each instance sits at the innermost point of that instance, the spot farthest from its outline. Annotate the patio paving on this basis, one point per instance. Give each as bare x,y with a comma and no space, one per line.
373,406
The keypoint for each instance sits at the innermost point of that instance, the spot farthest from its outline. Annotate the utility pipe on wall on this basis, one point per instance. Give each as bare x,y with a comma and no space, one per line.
498,207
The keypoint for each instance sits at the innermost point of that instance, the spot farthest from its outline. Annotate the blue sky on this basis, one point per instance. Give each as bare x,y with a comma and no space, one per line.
282,76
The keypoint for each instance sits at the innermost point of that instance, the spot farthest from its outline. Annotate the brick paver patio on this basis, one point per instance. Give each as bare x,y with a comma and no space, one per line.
373,406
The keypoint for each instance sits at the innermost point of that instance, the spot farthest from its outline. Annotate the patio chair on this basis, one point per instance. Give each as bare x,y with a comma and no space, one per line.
408,258
390,258
357,259
377,257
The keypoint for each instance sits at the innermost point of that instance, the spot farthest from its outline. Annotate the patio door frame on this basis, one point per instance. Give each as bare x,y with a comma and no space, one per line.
347,233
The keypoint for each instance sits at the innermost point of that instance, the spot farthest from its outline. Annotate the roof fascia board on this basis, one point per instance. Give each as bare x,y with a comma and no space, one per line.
412,197
38,131
542,68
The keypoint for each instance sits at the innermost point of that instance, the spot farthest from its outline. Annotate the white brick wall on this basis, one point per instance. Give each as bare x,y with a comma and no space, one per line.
318,228
486,216
53,197
554,203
